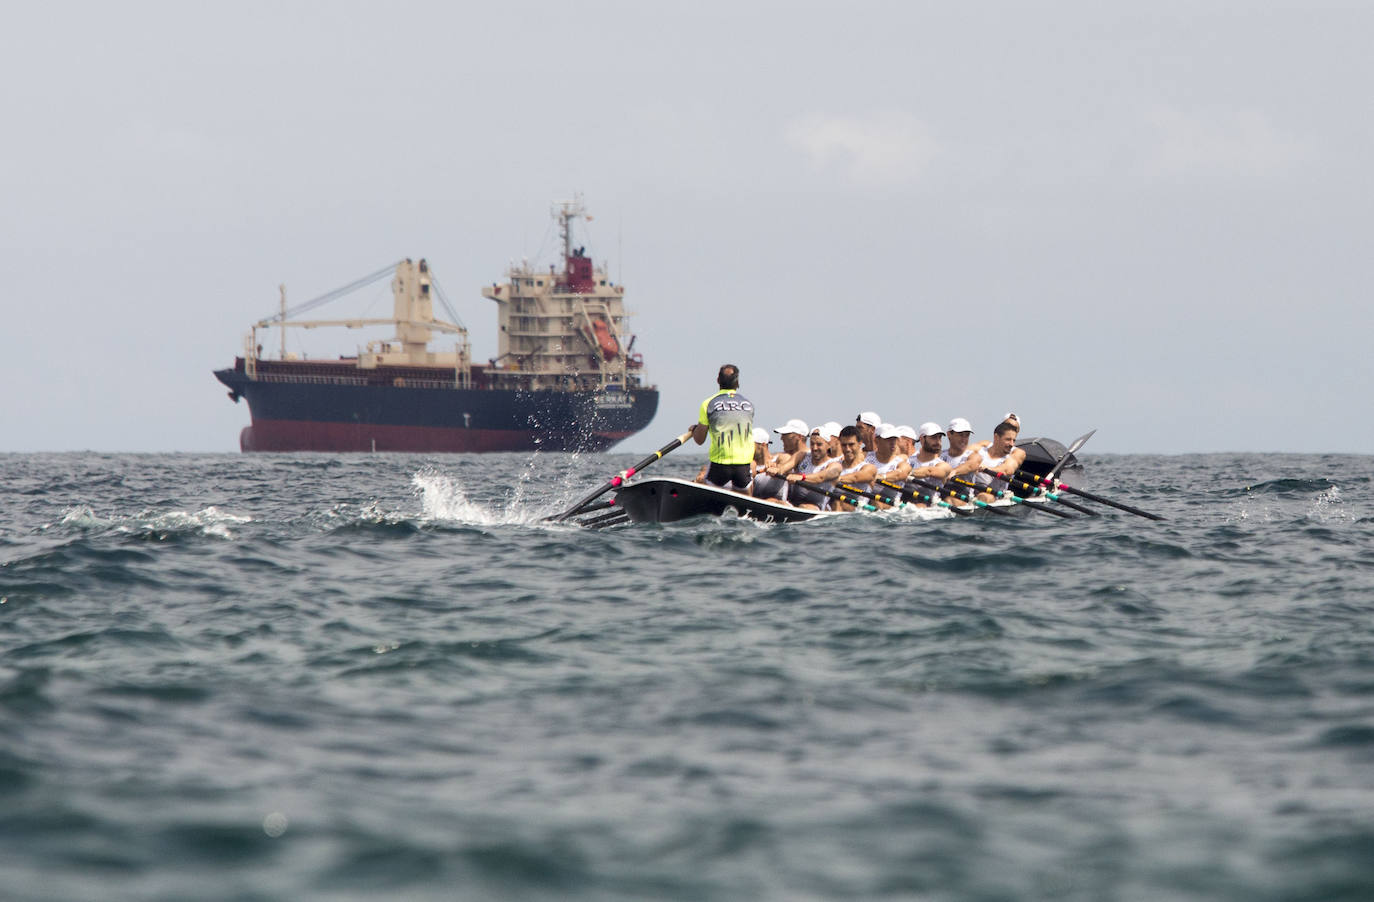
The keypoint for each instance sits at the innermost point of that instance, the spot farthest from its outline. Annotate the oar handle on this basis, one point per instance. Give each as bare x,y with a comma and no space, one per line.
1015,500
933,497
1040,490
906,494
869,493
835,493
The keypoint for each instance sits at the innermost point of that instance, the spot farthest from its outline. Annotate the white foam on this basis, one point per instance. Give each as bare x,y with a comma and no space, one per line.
210,521
442,499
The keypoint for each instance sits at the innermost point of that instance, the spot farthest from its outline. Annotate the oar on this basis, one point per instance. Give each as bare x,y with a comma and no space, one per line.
934,498
1062,487
599,506
1039,491
878,496
604,520
838,495
618,479
903,493
1077,443
1015,500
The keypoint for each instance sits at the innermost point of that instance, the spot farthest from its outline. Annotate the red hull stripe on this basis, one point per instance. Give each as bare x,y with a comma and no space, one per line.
293,435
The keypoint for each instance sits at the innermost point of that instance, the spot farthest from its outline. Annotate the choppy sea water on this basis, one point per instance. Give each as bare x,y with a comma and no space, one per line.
381,676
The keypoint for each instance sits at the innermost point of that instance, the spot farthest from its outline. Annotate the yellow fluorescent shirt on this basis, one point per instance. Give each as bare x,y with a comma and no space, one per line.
729,417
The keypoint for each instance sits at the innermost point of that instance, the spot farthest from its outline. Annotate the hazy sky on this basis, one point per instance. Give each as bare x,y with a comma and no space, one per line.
1152,219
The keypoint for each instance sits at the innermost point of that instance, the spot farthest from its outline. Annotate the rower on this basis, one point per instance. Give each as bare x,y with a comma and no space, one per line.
906,441
960,455
855,469
867,423
794,433
926,465
830,429
891,465
764,485
817,468
1000,456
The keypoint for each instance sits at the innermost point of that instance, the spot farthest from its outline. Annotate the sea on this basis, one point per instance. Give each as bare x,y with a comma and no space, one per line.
339,677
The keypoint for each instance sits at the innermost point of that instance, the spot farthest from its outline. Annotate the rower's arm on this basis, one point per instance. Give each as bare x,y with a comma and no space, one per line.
865,474
828,473
699,432
936,469
968,466
785,463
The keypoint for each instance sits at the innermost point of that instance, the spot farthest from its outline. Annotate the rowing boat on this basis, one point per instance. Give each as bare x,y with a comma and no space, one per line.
664,500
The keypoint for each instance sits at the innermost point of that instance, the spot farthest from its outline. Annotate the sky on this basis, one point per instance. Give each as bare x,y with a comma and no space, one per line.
1149,219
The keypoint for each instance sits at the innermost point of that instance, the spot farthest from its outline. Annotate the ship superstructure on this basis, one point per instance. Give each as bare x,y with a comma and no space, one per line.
565,378
563,330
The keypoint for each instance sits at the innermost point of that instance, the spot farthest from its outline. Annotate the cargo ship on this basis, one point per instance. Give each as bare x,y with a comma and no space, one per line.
565,377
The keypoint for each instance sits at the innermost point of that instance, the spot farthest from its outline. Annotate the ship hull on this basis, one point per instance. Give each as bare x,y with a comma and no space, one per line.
296,416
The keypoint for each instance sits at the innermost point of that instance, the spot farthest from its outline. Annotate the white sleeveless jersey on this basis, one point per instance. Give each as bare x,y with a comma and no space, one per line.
854,469
954,462
983,479
917,463
885,468
803,494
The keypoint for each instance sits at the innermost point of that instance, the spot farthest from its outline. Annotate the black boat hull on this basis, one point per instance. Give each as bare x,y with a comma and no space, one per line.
669,500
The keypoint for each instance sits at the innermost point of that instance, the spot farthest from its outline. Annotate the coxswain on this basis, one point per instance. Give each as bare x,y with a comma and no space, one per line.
817,468
728,418
855,469
1000,456
927,469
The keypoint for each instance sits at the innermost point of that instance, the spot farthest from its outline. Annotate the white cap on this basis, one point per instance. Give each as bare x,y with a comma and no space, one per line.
959,424
761,437
906,432
1010,416
871,418
887,430
931,429
793,427
827,431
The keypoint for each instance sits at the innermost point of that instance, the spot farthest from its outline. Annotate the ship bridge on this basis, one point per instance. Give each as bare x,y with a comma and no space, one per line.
563,330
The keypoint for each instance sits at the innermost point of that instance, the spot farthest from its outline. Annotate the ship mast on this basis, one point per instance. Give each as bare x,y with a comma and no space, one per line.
567,212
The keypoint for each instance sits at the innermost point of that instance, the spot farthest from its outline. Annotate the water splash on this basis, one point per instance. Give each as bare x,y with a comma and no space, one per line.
1329,505
442,498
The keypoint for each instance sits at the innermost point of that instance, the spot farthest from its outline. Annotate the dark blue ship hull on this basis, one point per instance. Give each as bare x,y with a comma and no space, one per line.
346,410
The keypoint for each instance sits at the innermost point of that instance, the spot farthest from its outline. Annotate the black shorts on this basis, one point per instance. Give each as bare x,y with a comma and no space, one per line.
736,475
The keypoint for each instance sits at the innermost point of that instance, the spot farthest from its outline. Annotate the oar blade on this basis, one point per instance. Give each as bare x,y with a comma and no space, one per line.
617,480
1077,443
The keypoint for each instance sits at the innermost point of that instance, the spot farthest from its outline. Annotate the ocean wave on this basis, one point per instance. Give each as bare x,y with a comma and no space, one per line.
148,523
